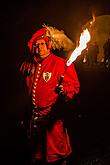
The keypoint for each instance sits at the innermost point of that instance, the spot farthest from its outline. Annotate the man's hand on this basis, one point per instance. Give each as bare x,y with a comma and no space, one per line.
59,89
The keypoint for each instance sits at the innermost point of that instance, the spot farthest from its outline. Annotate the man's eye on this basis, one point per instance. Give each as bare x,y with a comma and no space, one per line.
42,43
35,45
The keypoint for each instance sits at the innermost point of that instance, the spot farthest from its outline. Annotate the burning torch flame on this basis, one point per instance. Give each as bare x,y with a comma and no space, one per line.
84,39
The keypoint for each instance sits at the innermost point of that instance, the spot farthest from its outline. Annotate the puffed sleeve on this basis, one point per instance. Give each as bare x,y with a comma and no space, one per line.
71,82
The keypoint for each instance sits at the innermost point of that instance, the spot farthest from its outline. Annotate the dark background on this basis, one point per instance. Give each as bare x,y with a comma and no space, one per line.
89,124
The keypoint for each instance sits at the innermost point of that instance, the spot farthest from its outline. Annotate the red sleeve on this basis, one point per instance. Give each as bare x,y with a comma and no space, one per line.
26,68
23,67
71,83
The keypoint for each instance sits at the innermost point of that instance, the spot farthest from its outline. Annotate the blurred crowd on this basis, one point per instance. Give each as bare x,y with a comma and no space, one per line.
89,56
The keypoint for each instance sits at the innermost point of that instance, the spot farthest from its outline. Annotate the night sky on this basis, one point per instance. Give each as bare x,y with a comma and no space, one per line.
18,22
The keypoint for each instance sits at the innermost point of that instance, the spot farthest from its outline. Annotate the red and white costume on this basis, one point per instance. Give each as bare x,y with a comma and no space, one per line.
41,84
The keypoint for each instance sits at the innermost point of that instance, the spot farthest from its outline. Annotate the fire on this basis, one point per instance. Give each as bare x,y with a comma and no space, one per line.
84,39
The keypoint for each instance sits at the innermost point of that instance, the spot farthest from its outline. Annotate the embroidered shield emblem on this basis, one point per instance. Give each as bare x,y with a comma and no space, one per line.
47,76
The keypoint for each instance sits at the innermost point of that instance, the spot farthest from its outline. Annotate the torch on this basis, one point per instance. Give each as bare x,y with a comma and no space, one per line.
84,39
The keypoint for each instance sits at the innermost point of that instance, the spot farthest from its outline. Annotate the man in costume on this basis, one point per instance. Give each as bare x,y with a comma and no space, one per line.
50,142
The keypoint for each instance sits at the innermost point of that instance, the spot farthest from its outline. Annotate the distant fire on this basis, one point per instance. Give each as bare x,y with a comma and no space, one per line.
84,39
93,19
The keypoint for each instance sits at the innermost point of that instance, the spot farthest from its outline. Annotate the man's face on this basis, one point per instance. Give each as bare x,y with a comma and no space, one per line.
41,49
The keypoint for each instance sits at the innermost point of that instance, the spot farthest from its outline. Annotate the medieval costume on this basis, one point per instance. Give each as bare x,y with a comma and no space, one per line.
50,138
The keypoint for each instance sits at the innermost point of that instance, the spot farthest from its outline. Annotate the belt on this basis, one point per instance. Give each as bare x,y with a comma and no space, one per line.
42,108
40,114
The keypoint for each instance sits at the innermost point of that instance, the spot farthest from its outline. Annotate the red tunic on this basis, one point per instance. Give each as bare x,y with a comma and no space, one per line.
41,83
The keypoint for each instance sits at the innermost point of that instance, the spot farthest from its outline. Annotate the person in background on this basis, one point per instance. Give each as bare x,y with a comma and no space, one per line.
93,50
49,85
106,48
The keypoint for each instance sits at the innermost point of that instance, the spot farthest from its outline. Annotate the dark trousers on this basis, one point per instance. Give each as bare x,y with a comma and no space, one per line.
61,162
66,161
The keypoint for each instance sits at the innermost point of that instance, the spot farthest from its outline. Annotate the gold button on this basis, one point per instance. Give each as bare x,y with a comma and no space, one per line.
36,79
39,68
35,83
39,65
33,102
38,72
34,87
33,91
33,95
33,98
37,76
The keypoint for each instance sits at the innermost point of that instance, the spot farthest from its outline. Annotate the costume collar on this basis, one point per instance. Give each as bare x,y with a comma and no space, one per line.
42,61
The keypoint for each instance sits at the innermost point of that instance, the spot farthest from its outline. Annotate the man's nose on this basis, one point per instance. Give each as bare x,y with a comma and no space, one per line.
39,46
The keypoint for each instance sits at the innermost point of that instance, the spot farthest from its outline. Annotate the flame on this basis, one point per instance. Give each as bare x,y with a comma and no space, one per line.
93,19
84,39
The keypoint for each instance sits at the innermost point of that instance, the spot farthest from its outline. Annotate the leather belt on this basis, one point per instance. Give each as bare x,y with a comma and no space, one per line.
42,108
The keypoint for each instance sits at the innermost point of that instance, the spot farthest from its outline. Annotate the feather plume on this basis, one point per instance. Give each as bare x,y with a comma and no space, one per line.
58,39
